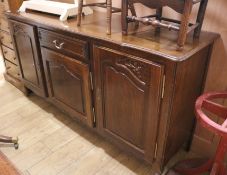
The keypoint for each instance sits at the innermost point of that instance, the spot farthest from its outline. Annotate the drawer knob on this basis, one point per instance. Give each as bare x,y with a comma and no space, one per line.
58,46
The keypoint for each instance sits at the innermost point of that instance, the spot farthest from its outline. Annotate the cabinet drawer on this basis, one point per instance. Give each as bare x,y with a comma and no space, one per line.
64,44
4,4
6,39
4,24
12,69
3,7
9,54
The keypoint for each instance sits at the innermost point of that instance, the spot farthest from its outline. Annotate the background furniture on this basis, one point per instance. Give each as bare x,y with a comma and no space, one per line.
12,73
108,6
157,20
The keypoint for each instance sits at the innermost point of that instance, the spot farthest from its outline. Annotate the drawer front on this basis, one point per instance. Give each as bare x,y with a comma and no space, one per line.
66,45
6,39
2,10
3,7
9,54
4,24
12,69
4,4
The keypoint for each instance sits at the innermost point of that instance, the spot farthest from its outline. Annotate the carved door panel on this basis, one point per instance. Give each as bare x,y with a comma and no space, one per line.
26,44
128,98
68,84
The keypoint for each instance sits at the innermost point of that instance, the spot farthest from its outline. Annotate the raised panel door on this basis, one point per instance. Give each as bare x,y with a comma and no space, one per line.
28,53
128,98
68,84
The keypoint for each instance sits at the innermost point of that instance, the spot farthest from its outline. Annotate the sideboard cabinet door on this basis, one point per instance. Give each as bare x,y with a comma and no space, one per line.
128,100
68,82
28,53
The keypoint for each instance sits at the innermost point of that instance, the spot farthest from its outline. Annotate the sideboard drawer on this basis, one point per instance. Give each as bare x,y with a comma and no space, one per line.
3,7
4,24
12,69
9,54
4,4
61,43
6,39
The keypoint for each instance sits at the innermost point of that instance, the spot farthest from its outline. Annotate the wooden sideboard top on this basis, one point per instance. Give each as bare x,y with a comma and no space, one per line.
94,26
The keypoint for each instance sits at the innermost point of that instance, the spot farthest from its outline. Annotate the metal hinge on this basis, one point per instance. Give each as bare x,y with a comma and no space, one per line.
91,80
163,86
94,117
92,89
156,150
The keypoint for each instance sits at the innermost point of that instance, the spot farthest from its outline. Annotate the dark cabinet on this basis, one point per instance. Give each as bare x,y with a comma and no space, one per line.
68,82
128,93
143,91
28,54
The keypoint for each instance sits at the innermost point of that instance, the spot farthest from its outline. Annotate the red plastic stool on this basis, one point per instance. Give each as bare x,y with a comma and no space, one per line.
216,165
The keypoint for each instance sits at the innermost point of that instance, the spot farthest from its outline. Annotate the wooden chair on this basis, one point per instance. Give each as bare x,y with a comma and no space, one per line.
6,139
183,7
108,5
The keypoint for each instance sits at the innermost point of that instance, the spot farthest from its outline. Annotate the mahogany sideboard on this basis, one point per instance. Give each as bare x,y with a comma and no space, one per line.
137,90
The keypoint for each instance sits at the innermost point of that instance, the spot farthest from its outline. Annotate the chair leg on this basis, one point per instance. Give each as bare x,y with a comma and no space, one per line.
133,12
184,24
109,16
124,15
6,139
159,15
80,8
200,17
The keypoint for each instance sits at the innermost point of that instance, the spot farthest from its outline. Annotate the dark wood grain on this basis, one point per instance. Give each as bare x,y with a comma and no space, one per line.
68,85
177,5
158,21
125,87
28,56
143,90
70,46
